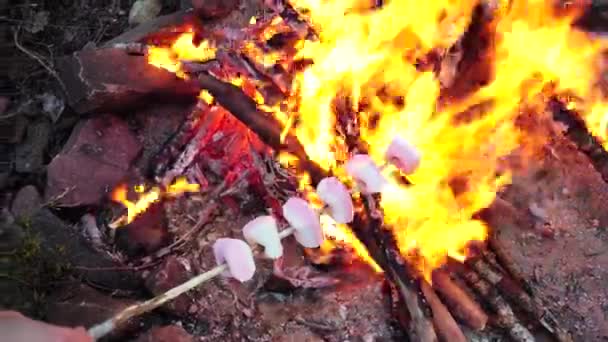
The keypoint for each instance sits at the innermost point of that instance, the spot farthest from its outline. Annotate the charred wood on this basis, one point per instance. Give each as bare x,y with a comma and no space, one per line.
517,295
506,318
176,145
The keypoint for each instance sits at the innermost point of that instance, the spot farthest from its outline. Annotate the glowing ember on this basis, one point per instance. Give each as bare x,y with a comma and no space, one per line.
146,198
370,57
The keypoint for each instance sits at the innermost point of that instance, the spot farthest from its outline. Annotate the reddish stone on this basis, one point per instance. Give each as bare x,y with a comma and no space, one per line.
174,271
95,158
110,79
169,333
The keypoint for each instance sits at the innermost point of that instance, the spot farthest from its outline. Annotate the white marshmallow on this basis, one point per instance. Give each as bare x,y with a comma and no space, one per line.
264,231
305,221
403,155
366,173
237,255
337,197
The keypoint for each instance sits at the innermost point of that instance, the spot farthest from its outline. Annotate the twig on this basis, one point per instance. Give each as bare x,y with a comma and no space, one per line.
37,58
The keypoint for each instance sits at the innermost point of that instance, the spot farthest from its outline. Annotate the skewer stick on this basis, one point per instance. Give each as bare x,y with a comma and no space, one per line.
102,329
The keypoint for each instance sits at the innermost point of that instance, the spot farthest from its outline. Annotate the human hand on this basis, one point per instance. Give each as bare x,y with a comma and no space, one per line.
14,327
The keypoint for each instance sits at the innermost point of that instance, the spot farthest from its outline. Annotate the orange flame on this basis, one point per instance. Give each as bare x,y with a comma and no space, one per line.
183,49
147,198
370,56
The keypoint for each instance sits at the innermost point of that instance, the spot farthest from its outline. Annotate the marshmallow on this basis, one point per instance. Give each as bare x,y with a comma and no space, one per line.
237,255
337,198
403,155
305,221
264,231
365,172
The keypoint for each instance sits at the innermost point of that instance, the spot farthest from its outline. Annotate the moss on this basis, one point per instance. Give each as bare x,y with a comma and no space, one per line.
31,274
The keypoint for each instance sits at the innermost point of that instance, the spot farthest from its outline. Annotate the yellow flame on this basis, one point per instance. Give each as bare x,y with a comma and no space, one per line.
370,57
183,49
147,198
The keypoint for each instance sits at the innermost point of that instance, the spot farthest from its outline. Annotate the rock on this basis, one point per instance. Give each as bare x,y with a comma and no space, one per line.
26,202
153,27
108,79
61,244
29,155
213,9
4,103
96,157
169,333
12,129
11,234
143,11
172,272
6,164
83,306
185,4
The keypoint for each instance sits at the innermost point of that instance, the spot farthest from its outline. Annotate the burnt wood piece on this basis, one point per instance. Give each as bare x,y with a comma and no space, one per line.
371,231
176,144
579,134
506,318
516,294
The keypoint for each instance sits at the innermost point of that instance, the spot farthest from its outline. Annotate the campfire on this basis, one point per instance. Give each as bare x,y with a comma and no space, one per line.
353,101
385,131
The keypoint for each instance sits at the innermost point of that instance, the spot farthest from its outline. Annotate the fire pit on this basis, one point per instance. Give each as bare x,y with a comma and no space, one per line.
429,123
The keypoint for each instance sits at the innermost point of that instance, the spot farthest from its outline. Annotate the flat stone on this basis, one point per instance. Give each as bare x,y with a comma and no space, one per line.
29,154
27,201
65,246
151,28
96,157
169,333
213,9
109,79
83,306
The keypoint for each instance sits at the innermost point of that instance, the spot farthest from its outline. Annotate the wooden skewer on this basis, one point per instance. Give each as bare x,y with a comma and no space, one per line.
102,329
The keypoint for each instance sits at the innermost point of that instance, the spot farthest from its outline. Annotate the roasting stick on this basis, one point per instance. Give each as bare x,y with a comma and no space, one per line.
100,330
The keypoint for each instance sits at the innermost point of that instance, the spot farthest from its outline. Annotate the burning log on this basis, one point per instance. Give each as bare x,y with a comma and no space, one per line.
459,301
505,316
445,324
